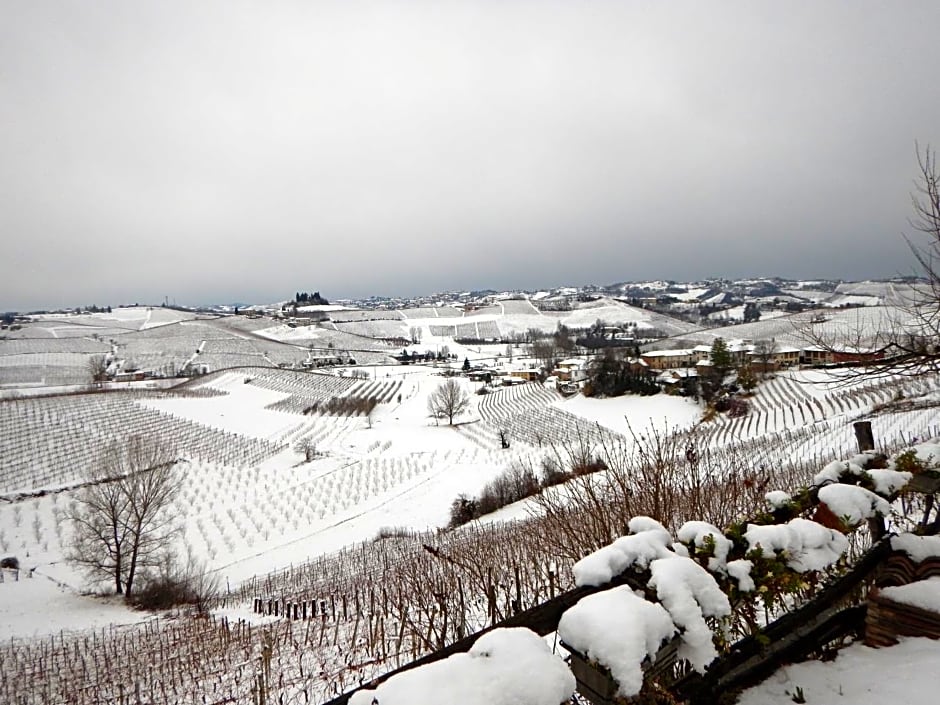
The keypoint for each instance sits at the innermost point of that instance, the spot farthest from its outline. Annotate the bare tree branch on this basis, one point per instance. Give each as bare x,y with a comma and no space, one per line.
905,341
122,519
448,400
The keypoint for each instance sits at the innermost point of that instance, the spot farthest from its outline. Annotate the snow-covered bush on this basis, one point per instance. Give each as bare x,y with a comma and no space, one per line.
711,582
504,667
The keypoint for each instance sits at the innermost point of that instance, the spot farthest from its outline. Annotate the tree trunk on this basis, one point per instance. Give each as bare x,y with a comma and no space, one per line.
118,564
132,568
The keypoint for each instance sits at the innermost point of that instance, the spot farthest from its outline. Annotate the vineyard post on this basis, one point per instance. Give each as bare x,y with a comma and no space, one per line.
866,441
864,436
462,629
382,637
356,630
490,596
403,616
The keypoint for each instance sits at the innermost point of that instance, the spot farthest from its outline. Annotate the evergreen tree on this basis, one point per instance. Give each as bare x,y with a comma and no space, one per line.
720,357
746,378
466,364
611,374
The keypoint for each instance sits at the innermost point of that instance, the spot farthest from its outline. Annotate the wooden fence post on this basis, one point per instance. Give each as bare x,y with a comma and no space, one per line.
864,436
866,441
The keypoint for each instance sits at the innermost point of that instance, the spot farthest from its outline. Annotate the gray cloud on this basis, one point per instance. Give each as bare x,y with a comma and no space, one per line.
233,150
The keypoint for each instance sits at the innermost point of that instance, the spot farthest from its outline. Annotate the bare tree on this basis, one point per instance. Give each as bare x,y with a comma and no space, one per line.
546,353
122,518
765,352
306,446
907,339
99,529
98,368
449,400
919,346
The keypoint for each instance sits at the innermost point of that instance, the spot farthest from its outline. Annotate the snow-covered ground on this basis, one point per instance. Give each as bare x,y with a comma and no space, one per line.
35,605
861,675
661,411
398,468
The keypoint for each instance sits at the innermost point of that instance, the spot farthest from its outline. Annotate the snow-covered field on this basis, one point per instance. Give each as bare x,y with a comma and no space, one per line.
250,502
800,329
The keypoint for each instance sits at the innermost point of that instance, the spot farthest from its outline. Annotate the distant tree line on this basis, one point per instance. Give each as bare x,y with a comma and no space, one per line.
314,299
519,481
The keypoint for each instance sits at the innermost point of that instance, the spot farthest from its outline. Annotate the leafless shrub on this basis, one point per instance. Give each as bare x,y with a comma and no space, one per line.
517,482
395,532
175,582
657,474
349,406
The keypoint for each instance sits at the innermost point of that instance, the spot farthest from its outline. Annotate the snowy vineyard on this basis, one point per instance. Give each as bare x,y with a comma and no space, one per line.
790,401
49,442
315,628
327,625
378,625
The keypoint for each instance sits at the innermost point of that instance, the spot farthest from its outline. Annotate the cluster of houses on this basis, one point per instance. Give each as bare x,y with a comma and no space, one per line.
673,368
763,359
567,376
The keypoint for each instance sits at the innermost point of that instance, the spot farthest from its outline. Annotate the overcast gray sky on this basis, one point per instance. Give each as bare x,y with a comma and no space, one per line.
223,151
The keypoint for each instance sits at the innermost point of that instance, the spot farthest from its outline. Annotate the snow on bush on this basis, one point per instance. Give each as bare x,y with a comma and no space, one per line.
641,523
777,499
740,570
649,540
619,630
924,594
836,469
888,482
928,454
853,504
806,545
701,534
504,667
919,548
690,594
